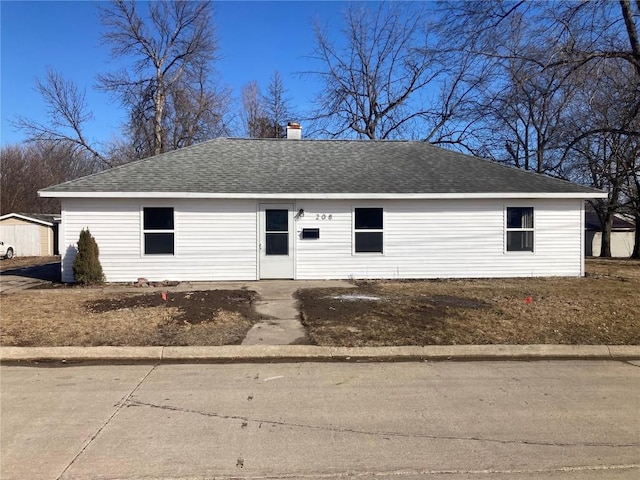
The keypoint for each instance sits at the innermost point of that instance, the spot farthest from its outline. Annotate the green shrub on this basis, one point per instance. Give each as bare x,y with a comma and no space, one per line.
86,266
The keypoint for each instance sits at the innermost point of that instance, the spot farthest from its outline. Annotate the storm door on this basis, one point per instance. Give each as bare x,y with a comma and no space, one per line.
276,242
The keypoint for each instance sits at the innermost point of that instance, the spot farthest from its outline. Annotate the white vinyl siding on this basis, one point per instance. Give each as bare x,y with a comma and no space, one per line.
441,239
218,239
214,239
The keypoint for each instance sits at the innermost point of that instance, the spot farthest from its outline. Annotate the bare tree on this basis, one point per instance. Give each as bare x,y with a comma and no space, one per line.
277,106
526,116
633,194
29,168
252,109
608,154
367,84
167,89
570,108
68,114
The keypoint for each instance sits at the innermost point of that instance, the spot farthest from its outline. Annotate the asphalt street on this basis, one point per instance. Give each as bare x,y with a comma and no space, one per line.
453,420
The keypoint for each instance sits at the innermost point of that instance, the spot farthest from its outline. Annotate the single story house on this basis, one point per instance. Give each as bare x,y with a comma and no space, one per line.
32,234
250,209
622,235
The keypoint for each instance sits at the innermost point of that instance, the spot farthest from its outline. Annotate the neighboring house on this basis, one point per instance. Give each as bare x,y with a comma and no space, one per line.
249,209
622,235
32,234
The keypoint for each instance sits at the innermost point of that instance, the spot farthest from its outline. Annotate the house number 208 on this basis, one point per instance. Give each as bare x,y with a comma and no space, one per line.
323,216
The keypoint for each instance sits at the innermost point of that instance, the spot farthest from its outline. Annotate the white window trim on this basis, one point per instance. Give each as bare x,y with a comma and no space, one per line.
377,230
143,254
507,230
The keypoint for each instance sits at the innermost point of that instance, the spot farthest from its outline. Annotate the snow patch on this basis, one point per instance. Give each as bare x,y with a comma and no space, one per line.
353,297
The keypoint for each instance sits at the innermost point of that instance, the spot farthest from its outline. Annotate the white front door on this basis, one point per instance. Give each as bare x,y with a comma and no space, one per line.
276,242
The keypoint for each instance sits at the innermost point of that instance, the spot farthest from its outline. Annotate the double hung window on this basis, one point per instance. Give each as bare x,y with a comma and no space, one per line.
368,230
158,231
520,229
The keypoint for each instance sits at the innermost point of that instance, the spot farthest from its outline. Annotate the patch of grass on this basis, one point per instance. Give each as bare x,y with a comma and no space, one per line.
86,317
602,308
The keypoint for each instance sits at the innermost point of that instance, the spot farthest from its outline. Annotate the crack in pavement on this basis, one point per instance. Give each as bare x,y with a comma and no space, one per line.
135,403
119,407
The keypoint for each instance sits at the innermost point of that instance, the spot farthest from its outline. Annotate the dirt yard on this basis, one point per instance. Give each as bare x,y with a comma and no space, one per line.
602,308
88,317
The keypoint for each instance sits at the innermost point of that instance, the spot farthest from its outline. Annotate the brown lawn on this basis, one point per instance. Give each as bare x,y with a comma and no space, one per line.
602,308
88,317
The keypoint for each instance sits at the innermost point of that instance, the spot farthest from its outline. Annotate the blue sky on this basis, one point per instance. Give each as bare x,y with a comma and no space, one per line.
256,38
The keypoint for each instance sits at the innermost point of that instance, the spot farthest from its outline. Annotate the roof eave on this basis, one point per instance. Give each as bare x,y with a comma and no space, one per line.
326,196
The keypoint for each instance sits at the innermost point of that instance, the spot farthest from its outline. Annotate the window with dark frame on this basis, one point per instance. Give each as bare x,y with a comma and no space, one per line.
368,230
158,230
520,229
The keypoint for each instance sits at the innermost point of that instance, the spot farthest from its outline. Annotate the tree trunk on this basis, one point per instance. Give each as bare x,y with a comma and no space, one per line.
158,136
636,246
632,32
605,246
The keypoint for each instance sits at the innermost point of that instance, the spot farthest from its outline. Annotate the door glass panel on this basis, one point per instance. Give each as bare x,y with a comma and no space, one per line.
277,243
277,220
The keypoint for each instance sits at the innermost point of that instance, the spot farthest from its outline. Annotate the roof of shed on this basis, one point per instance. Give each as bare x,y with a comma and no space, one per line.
43,218
592,222
279,166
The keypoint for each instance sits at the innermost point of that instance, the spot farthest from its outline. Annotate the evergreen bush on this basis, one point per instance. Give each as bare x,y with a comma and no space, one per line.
87,269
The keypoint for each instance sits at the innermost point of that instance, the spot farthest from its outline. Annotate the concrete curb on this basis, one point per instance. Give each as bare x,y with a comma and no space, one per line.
307,353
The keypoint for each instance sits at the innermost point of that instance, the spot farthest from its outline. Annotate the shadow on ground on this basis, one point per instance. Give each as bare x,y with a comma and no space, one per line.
49,272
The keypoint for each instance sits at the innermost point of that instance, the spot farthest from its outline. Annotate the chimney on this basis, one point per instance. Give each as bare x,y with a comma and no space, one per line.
294,131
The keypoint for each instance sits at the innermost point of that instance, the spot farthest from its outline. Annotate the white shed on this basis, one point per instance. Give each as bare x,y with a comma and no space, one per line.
250,209
32,234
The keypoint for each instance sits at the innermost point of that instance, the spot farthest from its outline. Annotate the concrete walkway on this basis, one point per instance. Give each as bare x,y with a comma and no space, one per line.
283,327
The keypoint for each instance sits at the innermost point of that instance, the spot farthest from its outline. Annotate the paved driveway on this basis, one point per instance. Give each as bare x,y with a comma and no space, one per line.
27,277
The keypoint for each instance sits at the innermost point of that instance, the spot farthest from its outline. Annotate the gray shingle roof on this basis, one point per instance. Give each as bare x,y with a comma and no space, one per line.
280,166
